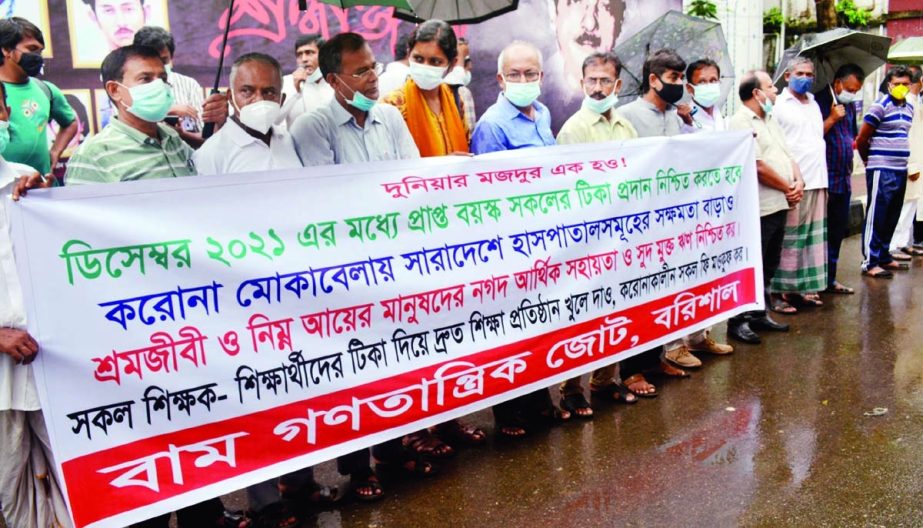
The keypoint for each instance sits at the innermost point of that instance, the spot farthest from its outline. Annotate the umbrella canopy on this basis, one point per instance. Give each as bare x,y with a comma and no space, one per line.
404,4
693,38
831,49
455,11
907,51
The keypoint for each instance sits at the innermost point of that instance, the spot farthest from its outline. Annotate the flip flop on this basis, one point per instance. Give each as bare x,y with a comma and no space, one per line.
895,266
614,392
901,257
575,402
783,307
883,274
836,287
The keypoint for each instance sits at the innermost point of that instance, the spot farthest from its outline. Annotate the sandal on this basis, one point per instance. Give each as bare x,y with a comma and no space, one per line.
781,305
312,492
555,415
882,274
669,370
895,266
425,444
456,432
812,299
365,486
414,466
275,515
615,392
637,383
836,287
577,405
901,257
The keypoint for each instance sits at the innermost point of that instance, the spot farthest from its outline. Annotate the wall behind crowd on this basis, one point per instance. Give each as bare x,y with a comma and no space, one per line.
79,37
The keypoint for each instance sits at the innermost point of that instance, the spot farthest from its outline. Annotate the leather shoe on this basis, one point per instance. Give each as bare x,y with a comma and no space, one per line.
743,333
765,323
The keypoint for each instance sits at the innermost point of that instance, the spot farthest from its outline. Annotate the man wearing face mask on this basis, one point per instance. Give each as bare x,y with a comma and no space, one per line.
249,141
458,79
32,102
884,145
518,120
654,113
187,92
597,122
780,187
802,272
902,241
840,128
352,128
704,76
305,90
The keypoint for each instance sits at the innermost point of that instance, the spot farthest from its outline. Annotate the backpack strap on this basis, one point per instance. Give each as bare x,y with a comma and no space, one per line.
47,91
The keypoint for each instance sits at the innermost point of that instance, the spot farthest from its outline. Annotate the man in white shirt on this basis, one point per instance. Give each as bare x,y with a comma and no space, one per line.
803,269
704,85
249,142
29,491
305,89
396,73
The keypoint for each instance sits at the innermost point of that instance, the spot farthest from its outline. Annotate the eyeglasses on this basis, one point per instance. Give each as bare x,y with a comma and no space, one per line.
364,73
605,82
517,77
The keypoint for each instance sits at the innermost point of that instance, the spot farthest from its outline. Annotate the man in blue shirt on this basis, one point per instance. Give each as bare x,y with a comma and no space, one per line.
517,120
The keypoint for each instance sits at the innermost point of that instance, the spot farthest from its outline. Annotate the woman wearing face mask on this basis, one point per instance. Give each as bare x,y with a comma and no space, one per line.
426,102
434,118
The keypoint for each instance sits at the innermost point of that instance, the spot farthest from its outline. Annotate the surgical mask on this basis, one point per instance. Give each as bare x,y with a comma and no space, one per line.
426,77
899,92
151,101
313,77
458,76
801,85
4,135
522,94
168,68
670,93
600,106
31,63
766,105
845,97
259,116
359,101
707,94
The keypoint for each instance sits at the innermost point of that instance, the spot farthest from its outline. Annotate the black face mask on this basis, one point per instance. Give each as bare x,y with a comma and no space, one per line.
671,93
31,63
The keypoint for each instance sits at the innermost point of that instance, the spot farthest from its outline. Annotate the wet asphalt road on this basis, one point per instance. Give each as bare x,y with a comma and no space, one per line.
774,435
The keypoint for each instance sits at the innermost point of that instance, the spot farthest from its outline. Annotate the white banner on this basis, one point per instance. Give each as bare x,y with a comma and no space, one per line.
202,334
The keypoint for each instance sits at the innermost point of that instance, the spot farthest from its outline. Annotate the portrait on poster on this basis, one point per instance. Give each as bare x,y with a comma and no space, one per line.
35,11
100,26
82,103
104,108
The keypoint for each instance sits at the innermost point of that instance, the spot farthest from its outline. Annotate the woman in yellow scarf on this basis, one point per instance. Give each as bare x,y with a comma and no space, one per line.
433,115
429,106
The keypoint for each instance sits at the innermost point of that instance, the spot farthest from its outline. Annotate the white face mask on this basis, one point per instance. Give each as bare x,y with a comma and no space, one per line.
458,75
259,116
427,77
848,97
313,77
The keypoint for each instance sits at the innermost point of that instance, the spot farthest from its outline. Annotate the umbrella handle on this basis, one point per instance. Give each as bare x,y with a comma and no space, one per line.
209,128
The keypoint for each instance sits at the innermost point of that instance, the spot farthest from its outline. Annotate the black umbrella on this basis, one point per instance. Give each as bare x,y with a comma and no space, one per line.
831,49
455,11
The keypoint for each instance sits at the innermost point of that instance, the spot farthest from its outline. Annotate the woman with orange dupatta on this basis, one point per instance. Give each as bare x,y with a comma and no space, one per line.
432,113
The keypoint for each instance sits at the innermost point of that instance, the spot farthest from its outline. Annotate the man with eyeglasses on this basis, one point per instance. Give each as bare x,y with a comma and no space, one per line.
596,122
351,128
517,120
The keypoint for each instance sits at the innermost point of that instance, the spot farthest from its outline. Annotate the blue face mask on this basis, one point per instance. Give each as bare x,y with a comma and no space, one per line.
4,135
801,85
359,101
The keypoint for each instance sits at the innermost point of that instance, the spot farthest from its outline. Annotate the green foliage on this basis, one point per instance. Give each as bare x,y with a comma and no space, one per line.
703,9
772,20
848,14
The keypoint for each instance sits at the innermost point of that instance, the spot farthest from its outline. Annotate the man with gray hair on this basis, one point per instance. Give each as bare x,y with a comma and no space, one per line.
803,269
250,141
517,120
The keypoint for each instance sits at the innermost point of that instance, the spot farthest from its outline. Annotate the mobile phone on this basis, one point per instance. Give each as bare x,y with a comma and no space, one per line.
171,120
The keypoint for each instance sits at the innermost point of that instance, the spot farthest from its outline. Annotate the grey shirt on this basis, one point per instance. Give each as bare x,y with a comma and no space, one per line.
649,121
331,136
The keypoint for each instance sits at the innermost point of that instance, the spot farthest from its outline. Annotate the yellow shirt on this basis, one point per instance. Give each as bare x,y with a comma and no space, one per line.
589,127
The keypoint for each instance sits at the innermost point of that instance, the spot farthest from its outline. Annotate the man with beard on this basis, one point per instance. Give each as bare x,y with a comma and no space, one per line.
583,27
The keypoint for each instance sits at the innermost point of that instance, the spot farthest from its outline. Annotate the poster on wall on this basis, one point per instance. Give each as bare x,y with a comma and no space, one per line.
35,11
100,26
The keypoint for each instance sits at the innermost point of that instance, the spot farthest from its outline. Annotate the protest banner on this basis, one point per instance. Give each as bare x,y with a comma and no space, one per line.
199,335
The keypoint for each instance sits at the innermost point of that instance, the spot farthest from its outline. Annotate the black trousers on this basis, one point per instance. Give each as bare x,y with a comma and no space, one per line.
202,515
647,360
837,225
772,231
524,410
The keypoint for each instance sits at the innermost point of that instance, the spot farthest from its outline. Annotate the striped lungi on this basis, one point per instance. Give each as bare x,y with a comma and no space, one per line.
803,267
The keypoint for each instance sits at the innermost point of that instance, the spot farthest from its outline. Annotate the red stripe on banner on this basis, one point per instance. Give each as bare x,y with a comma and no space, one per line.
196,457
